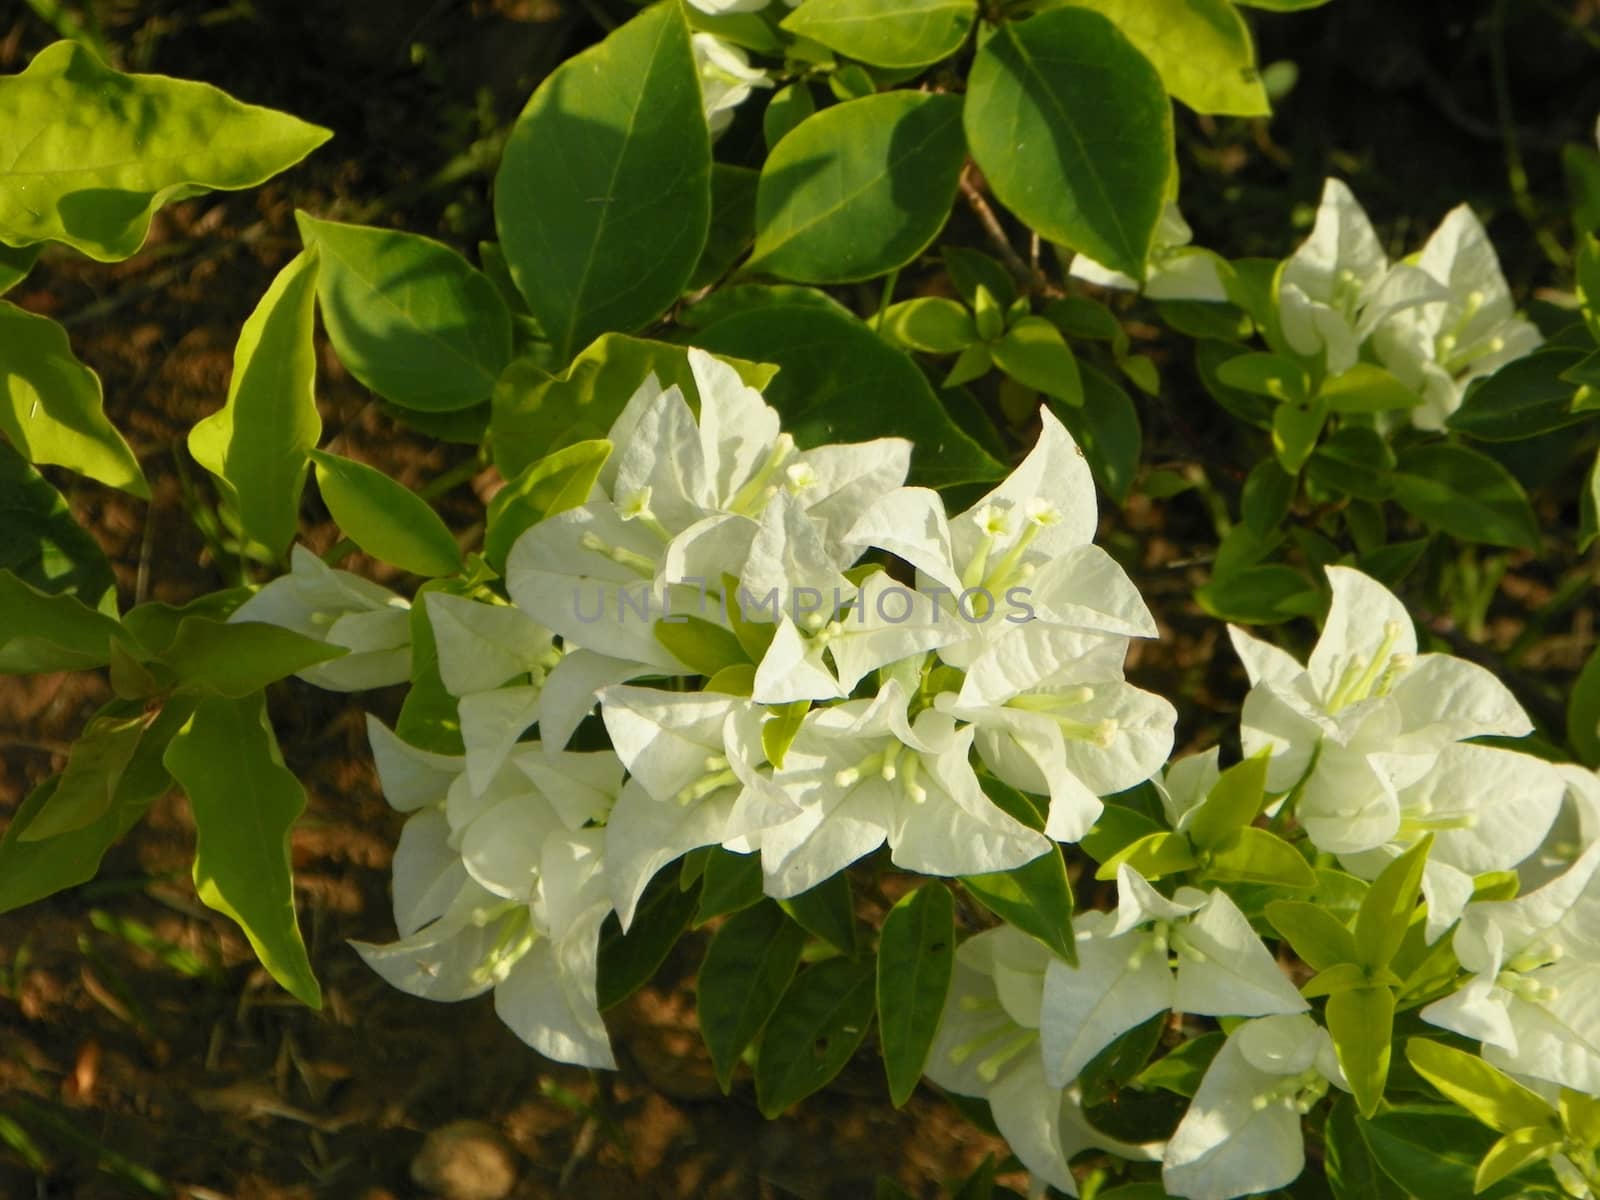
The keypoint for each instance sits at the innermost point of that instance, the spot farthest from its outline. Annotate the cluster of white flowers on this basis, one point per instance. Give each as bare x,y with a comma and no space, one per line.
867,661
1437,320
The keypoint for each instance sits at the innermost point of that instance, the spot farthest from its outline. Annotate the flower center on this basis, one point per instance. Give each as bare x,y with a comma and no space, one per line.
718,776
1364,678
759,488
515,938
640,564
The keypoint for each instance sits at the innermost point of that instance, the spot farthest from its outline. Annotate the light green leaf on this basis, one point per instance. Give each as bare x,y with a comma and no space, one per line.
1231,804
42,632
536,413
932,324
1465,494
858,189
1387,908
409,317
816,1028
549,486
245,801
1367,388
1318,937
1516,1150
1489,1094
86,789
886,33
1034,353
257,444
703,646
1073,130
216,658
42,545
782,725
1260,856
1153,856
385,518
1360,1021
429,718
916,956
93,152
51,407
1296,426
603,197
1583,713
838,382
746,970
1341,977
1201,47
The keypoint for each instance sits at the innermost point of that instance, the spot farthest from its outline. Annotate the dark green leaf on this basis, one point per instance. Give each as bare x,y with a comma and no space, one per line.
43,632
827,911
916,955
1465,494
41,544
1035,898
212,657
732,883
1353,1174
813,1032
629,960
886,33
1522,399
746,970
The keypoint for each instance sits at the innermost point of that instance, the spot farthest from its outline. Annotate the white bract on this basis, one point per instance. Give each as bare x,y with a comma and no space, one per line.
726,76
1338,286
1366,717
1194,953
1241,1135
1534,996
987,1045
341,609
1439,347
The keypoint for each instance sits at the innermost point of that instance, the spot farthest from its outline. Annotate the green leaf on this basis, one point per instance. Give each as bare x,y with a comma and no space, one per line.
544,488
1201,47
245,802
1435,1152
429,718
916,956
1035,897
40,868
1523,399
1265,499
932,324
41,544
603,197
51,406
1465,494
86,789
217,658
743,297
1034,353
1182,1068
536,413
1260,856
94,152
1106,427
1117,828
733,223
1361,1021
15,263
1516,1150
1262,374
42,632
886,33
788,107
1352,1172
257,444
1153,856
630,960
385,518
409,317
811,1035
1489,1094
783,722
1259,595
732,883
703,646
838,382
1589,508
1583,713
1231,804
973,269
858,189
1389,905
1073,130
1355,461
1367,388
828,911
1296,426
746,969
1319,938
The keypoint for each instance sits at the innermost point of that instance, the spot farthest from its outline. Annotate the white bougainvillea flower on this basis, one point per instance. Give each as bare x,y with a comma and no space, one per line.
692,760
1242,1133
862,773
885,623
340,609
1184,785
987,1046
1054,717
1336,288
1176,271
1437,348
1534,997
1124,975
1575,828
1487,809
1365,717
718,8
482,646
726,77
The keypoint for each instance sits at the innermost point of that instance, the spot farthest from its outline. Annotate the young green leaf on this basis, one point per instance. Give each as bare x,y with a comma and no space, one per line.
1361,1022
1034,353
257,444
385,518
932,324
1388,906
746,969
549,486
1516,1150
608,240
1153,856
1318,937
42,632
94,152
50,403
811,1035
1489,1094
1260,856
859,189
1231,804
1047,99
886,33
245,801
409,317
916,956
